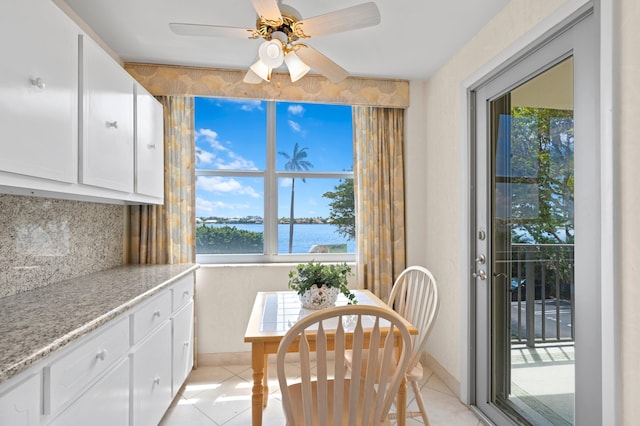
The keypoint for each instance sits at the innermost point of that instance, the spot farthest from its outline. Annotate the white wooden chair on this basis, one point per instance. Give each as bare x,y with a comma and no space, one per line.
414,295
331,398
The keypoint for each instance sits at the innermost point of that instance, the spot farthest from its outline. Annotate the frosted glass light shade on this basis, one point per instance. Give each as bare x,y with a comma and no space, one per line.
297,68
261,69
271,53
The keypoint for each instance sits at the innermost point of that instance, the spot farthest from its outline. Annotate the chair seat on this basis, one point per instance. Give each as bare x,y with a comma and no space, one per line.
295,391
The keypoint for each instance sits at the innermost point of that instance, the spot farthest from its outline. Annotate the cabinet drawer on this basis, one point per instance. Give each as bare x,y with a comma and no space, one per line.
105,404
150,316
68,375
182,292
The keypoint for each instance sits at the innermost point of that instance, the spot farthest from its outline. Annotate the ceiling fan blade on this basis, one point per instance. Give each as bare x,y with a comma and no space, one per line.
321,63
252,78
352,18
210,30
267,9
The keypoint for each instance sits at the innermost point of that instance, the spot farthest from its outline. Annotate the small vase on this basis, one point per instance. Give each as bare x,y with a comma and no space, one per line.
319,298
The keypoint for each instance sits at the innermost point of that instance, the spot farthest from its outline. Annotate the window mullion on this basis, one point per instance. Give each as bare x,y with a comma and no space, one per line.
271,186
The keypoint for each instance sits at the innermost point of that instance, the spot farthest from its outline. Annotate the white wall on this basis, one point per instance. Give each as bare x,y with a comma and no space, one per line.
416,174
446,164
224,298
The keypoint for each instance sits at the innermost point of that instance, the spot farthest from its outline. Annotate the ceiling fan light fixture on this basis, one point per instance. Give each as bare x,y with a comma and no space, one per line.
262,70
271,53
297,68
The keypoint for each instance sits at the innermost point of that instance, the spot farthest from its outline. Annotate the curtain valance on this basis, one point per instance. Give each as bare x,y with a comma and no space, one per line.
168,80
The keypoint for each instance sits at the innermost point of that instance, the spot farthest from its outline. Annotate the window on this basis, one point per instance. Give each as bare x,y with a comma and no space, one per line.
261,163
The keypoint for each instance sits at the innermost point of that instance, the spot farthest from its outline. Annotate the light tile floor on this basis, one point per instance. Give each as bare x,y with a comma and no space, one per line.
217,396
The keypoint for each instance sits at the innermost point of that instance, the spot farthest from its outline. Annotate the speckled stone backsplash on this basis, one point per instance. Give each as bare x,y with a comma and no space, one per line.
43,241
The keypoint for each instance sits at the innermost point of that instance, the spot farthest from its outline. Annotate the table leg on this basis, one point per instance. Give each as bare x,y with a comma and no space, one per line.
265,381
257,364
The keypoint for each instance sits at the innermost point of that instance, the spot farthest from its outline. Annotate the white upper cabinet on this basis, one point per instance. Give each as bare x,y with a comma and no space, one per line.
106,144
149,171
38,91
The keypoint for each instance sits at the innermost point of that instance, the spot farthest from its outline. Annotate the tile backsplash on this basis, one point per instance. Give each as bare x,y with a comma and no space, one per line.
44,240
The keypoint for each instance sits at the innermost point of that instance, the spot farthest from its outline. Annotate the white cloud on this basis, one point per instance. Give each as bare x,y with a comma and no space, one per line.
296,110
204,207
251,105
285,182
223,157
225,185
211,137
235,162
204,157
295,126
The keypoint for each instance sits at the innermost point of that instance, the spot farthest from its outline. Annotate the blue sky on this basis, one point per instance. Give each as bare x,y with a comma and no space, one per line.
231,135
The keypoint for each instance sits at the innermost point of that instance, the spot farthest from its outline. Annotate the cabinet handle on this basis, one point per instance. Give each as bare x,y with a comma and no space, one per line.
113,124
186,293
37,82
156,313
101,355
156,381
186,344
151,146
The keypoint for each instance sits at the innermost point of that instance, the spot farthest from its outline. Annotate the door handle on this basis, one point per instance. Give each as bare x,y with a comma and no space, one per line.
480,274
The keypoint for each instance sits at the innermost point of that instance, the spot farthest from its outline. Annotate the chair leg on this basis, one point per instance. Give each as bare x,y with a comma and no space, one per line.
423,411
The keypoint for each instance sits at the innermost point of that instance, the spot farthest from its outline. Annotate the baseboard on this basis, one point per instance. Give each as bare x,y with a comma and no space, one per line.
446,377
224,358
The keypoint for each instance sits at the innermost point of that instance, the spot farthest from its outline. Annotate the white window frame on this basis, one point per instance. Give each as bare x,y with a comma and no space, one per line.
270,176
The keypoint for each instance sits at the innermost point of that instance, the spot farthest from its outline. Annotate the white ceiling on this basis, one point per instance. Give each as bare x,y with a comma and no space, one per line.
414,38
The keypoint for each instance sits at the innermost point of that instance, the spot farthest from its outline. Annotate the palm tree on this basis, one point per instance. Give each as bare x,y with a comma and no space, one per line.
295,162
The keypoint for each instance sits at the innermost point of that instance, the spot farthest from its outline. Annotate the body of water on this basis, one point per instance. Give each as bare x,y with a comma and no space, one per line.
305,235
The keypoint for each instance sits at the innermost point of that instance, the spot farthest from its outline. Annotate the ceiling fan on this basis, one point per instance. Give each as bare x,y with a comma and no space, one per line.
282,29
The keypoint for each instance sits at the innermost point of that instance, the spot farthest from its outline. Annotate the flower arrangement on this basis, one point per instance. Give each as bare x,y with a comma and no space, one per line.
308,278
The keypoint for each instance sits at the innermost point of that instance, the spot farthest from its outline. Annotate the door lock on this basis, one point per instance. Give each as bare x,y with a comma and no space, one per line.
480,274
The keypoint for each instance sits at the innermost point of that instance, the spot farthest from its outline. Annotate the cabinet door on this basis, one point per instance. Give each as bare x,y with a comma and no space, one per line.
107,121
149,174
20,405
152,377
182,346
105,404
38,91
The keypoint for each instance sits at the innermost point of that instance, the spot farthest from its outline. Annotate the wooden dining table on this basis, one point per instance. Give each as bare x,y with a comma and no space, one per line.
272,316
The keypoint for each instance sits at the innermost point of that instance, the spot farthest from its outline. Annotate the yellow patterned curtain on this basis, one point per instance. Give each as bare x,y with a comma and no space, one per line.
379,182
166,234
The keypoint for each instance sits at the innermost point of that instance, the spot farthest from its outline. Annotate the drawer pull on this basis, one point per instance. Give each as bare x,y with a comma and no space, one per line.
101,355
113,124
156,381
156,314
186,344
151,146
186,293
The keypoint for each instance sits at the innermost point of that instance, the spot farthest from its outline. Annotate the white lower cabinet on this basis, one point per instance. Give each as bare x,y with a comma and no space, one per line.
125,373
151,385
104,404
20,404
182,323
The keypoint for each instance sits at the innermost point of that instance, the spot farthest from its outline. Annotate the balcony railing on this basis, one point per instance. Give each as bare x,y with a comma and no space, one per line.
542,293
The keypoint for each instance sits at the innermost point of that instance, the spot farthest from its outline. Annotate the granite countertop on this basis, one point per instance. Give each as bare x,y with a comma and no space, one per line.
35,323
